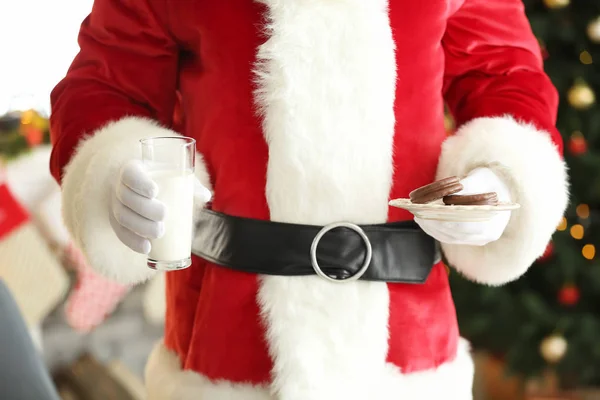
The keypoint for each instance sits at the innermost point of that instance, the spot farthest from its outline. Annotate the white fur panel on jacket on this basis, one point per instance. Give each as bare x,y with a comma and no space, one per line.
87,184
166,380
529,162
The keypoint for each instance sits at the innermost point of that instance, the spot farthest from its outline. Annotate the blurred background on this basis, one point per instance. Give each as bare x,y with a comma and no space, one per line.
94,336
537,338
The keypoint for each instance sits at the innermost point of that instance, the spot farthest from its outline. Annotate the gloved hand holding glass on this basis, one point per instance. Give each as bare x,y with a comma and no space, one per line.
153,202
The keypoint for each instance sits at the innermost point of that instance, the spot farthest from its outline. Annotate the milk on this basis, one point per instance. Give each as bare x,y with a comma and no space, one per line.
176,192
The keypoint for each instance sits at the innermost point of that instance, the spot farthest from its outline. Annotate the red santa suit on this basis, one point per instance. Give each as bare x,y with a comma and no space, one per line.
311,112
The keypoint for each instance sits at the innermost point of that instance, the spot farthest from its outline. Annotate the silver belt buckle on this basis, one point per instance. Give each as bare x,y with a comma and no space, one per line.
319,236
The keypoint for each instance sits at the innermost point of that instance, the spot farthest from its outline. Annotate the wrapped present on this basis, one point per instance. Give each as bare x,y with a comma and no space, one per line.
12,213
27,266
93,298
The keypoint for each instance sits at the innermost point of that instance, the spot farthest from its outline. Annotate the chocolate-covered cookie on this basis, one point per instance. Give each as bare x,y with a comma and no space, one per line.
436,190
483,199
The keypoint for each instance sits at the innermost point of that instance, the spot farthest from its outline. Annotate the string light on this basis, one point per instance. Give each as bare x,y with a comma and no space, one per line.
577,231
586,58
583,211
588,251
563,225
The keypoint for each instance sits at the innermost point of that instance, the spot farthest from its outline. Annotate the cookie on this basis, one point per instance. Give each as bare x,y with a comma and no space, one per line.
436,190
483,199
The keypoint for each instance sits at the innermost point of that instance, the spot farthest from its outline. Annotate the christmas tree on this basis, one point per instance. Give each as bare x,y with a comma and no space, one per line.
549,320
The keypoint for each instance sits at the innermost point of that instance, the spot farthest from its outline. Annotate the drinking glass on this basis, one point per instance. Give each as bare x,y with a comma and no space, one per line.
170,163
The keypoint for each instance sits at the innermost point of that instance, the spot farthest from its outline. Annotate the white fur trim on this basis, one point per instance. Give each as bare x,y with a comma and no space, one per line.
166,381
87,185
330,159
452,380
531,165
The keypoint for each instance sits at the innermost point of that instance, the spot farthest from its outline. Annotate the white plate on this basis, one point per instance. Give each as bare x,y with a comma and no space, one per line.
441,212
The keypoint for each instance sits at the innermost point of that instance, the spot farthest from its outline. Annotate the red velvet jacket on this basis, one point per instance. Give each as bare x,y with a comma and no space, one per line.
311,111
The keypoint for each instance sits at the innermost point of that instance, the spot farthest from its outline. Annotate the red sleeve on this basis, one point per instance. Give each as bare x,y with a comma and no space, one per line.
505,107
494,66
127,66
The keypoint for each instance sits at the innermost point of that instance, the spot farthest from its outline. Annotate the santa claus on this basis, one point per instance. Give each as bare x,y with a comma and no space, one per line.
307,113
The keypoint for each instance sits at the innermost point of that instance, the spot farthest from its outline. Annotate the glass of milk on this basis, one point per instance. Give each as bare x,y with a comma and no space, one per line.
170,163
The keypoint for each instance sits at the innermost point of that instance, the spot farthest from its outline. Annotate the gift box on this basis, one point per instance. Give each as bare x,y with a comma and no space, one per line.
28,267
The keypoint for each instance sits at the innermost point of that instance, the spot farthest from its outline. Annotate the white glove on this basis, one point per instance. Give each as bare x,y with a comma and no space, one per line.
136,216
480,180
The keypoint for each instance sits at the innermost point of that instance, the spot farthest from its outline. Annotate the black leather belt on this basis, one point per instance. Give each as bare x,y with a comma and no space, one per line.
394,252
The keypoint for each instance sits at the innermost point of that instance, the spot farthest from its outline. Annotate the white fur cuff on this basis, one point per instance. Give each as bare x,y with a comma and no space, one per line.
87,185
530,163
